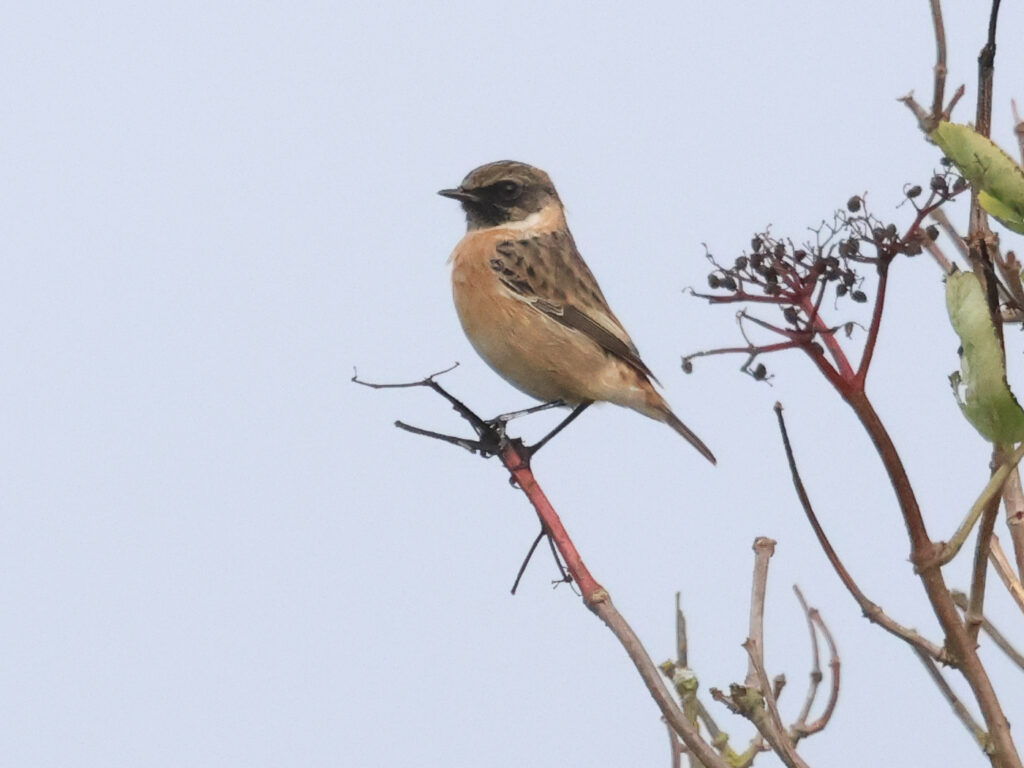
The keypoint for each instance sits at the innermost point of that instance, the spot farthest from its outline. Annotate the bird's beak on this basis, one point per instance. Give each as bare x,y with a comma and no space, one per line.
460,194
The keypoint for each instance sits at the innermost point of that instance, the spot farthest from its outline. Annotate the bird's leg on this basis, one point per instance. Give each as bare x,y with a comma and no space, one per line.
530,450
505,418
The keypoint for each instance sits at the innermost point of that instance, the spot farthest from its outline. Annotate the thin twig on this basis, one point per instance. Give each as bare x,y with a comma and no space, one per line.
768,722
714,731
1018,128
986,75
816,676
1002,565
1013,503
682,644
939,217
989,495
939,89
982,242
940,257
526,560
649,672
989,629
1009,272
833,663
473,446
871,610
959,709
675,746
976,605
771,728
874,327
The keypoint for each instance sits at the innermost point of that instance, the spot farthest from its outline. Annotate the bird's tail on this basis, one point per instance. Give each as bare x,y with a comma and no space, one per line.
673,421
648,402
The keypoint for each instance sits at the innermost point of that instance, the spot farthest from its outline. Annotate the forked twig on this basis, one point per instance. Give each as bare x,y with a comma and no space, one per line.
989,629
815,624
959,709
833,663
756,699
987,499
493,441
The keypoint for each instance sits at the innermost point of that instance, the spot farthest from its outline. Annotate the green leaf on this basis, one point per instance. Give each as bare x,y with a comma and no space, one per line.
1010,218
999,180
980,386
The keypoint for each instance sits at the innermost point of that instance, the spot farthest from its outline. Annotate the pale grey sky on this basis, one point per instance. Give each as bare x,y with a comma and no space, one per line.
216,551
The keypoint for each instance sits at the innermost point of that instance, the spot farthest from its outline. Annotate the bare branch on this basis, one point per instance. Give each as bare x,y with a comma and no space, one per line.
766,717
988,497
1013,503
975,608
816,676
959,709
764,548
1005,571
682,644
986,75
872,611
929,119
675,746
833,664
939,217
940,257
938,92
922,114
649,672
595,597
989,629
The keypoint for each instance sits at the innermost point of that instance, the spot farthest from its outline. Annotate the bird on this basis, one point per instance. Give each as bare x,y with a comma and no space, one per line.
531,307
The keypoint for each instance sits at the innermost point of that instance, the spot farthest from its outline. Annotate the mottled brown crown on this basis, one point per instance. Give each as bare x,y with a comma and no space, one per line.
503,192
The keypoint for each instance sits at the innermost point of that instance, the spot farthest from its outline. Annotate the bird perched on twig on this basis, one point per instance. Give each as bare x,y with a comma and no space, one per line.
532,309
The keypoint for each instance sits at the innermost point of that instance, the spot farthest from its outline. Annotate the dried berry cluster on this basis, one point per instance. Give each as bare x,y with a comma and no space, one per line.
777,268
797,279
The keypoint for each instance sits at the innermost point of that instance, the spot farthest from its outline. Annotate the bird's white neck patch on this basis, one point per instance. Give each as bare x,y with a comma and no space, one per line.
533,221
548,218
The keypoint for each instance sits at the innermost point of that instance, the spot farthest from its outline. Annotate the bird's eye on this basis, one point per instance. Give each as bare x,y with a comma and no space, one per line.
508,190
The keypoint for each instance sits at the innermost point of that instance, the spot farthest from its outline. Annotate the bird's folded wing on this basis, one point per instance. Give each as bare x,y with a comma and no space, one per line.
548,273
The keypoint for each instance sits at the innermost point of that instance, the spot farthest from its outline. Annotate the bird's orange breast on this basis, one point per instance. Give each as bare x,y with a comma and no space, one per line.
529,349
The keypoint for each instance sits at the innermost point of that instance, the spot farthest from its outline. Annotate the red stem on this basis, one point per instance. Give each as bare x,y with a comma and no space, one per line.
876,323
593,593
845,370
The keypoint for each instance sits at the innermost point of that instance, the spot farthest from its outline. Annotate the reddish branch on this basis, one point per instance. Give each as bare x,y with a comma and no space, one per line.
796,289
597,599
491,441
683,722
592,592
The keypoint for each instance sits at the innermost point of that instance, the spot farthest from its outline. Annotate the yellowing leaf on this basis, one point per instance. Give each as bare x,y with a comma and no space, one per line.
1010,218
998,179
980,386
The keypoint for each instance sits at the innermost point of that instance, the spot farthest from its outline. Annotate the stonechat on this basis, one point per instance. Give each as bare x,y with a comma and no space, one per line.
530,306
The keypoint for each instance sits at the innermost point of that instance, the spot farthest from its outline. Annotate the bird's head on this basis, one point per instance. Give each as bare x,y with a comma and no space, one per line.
504,192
